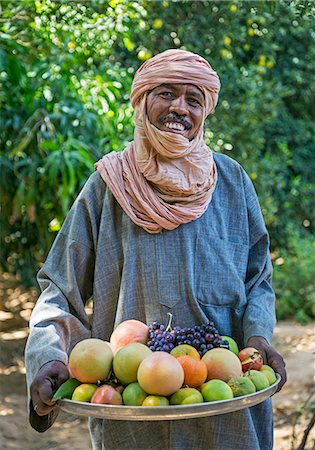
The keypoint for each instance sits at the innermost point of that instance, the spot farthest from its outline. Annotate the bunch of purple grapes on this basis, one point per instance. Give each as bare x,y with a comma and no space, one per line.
202,337
160,339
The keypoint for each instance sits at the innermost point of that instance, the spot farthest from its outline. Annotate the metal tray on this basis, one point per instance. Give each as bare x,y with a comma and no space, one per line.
173,412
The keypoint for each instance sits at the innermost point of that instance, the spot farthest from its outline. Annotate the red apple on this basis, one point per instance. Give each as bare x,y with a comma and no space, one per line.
106,395
251,359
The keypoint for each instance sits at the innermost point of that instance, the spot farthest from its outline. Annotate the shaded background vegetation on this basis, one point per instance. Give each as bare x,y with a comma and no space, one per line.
65,74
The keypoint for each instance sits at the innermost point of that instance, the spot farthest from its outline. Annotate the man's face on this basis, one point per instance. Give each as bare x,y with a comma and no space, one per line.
176,108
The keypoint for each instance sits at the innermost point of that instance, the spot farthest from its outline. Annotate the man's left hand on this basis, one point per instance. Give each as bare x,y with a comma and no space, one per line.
270,357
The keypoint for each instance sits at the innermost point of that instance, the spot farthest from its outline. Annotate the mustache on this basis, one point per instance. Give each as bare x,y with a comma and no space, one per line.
178,118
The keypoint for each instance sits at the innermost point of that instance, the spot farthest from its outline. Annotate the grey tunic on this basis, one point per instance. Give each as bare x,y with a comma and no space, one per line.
214,268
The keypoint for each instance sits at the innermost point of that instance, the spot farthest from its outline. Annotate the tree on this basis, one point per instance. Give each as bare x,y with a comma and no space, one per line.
66,72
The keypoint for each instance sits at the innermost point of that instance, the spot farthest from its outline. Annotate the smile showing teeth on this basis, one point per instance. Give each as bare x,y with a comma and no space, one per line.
175,126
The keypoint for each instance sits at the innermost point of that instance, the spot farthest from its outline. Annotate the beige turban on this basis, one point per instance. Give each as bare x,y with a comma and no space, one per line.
162,179
177,66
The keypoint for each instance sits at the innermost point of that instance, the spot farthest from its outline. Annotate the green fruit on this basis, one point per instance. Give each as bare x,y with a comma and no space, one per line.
232,344
66,389
84,392
241,386
134,395
215,390
127,361
186,396
258,378
265,367
271,376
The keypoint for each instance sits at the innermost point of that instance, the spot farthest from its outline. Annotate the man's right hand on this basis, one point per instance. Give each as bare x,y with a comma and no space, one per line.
48,379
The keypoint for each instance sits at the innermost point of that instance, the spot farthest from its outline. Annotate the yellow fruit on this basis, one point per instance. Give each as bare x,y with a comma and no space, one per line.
155,400
84,392
160,374
185,349
91,360
222,364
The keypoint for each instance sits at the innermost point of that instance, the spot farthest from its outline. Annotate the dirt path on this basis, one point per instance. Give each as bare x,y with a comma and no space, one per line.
295,342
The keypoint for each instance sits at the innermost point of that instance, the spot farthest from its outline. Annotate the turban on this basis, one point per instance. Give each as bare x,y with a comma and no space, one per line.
162,179
177,66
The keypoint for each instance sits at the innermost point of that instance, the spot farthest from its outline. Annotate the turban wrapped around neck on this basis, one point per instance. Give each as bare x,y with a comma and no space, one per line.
162,180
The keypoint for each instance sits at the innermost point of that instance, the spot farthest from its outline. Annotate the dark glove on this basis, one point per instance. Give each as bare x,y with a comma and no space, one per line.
270,357
43,411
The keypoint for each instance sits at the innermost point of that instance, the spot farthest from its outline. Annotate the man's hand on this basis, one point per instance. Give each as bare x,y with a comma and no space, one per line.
48,379
270,357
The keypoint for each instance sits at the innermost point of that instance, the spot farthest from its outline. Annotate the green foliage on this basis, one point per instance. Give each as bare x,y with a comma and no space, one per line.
66,70
294,281
65,104
264,119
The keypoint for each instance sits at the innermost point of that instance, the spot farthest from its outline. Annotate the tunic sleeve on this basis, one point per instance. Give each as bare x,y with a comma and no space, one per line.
259,318
59,319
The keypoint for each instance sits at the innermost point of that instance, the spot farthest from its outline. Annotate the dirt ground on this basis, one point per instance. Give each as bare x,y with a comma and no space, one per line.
291,406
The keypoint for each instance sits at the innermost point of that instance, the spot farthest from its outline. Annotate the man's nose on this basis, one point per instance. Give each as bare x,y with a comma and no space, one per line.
179,106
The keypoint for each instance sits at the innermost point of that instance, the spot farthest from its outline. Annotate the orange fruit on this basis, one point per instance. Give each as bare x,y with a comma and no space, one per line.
185,349
195,371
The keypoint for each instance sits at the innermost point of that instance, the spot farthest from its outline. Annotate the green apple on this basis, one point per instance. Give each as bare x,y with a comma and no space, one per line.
232,344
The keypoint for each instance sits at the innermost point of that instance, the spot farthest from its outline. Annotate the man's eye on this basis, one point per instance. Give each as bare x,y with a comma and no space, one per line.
167,94
194,101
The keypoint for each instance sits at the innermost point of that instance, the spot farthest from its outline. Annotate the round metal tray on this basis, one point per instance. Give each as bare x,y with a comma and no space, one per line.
173,412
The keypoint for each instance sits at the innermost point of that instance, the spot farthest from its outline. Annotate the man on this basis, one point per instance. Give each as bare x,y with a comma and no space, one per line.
164,226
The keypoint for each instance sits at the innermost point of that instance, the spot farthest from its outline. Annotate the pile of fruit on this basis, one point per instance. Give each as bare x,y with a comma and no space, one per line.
156,366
